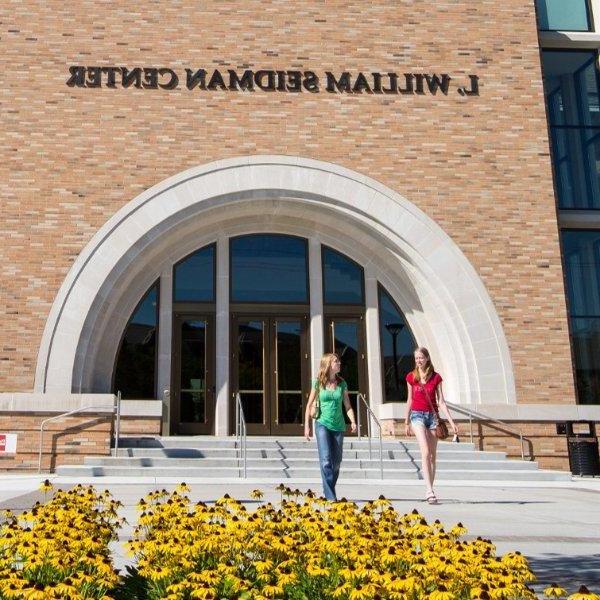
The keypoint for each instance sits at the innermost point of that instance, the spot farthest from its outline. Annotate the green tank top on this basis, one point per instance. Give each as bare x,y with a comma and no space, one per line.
331,402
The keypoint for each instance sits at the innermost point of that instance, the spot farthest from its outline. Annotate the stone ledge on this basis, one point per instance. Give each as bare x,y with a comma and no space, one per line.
23,402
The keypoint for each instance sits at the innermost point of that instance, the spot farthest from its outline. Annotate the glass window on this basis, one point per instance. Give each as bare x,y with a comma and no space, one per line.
343,281
135,371
397,348
194,277
571,88
268,268
581,250
563,15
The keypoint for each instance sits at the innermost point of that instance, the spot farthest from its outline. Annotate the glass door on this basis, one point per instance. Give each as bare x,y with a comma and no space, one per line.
345,336
270,371
193,388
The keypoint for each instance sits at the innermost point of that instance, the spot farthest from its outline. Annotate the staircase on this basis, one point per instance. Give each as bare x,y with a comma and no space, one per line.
291,458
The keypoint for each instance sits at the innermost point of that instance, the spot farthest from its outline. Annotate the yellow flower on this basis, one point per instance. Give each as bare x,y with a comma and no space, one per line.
441,593
583,594
555,591
256,494
46,486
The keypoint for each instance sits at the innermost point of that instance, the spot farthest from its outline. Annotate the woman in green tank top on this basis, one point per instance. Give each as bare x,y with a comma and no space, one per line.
329,392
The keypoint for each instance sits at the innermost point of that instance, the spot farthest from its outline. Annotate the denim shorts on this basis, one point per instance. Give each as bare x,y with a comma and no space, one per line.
423,417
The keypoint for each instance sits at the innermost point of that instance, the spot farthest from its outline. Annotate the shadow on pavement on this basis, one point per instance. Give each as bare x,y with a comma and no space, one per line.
568,571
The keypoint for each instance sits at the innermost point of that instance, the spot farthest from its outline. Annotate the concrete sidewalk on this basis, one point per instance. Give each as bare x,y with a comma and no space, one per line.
555,524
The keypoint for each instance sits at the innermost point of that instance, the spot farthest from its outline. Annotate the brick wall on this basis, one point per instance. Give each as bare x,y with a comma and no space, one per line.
479,166
66,441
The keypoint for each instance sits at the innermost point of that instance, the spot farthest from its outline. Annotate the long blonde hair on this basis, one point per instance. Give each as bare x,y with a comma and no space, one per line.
429,370
324,367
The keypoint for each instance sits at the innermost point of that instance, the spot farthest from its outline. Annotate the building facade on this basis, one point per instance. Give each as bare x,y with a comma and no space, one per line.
199,201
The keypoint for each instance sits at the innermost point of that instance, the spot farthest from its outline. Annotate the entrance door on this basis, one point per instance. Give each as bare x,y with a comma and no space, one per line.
193,386
346,337
270,371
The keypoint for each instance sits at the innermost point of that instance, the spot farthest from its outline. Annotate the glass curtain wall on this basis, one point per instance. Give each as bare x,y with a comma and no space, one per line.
571,88
582,272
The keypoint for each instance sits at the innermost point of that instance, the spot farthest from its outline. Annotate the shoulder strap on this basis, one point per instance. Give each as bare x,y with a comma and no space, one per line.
433,406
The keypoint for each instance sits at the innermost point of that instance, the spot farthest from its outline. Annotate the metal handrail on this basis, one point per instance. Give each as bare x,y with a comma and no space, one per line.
371,415
473,414
240,431
116,406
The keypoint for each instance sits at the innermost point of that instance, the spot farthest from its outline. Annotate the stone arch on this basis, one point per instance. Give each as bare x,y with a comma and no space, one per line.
444,300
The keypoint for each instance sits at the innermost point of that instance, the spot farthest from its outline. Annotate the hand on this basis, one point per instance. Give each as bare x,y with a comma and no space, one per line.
353,427
307,432
407,429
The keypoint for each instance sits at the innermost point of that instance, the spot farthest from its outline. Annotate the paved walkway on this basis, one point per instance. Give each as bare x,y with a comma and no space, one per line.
555,524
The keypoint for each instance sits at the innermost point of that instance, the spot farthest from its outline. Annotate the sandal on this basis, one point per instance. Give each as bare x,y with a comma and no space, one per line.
431,499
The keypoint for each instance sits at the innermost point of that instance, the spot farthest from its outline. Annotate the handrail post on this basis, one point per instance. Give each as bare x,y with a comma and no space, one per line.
369,433
241,433
371,415
358,424
117,424
41,446
522,449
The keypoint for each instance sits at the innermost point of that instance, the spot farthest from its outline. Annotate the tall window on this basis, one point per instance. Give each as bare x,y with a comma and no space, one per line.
135,370
563,15
572,91
269,268
397,347
582,271
343,280
194,277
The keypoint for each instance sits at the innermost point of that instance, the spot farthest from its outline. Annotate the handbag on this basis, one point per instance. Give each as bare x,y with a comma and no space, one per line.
441,429
315,411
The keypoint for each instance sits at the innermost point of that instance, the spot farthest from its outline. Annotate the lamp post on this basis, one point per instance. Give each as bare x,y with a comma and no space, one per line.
395,329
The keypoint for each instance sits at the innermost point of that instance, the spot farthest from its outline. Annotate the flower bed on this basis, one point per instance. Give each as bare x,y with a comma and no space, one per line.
304,549
60,549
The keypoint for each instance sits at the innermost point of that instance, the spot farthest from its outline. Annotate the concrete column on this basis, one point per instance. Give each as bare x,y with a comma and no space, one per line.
222,339
165,334
372,338
316,304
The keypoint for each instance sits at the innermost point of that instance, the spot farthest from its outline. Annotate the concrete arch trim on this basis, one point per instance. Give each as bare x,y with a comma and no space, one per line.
409,231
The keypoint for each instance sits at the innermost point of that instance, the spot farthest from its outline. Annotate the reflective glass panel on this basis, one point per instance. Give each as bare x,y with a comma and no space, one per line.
251,346
268,268
562,15
342,279
194,277
289,372
193,372
136,364
397,347
581,251
571,87
345,335
585,335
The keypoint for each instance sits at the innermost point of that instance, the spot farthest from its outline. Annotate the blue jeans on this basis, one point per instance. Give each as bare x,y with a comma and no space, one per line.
330,445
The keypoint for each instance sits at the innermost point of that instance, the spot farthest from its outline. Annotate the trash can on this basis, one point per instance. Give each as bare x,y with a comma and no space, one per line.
583,448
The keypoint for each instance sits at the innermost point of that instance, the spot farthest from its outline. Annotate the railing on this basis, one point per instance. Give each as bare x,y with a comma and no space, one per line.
116,408
474,415
370,415
240,432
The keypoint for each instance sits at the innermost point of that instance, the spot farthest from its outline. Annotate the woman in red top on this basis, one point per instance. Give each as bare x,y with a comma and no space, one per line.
425,395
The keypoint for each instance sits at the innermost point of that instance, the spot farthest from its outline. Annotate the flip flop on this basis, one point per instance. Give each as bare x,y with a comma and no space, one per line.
431,499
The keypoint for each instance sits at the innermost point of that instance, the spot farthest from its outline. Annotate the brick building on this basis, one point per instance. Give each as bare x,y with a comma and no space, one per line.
198,200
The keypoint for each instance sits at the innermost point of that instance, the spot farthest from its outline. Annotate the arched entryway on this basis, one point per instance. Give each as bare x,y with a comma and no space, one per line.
399,247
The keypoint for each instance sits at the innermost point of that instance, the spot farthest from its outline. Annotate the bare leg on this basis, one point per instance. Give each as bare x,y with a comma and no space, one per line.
422,438
433,441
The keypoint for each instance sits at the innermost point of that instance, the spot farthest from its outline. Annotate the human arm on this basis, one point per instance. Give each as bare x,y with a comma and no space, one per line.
442,405
311,400
349,411
408,407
